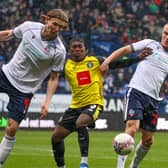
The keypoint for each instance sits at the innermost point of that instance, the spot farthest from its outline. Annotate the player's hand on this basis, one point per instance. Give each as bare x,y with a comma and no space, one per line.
144,53
44,111
104,68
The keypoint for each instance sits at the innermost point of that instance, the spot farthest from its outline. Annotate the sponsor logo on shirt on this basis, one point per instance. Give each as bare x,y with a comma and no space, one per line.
83,78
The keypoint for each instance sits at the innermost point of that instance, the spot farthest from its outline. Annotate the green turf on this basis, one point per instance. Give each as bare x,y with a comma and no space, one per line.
33,150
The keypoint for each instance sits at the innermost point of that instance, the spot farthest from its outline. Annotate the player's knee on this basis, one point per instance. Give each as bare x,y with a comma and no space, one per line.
83,120
79,125
147,142
11,129
131,128
55,138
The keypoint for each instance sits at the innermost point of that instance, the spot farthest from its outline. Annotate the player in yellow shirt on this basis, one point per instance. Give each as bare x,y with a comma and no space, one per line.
86,82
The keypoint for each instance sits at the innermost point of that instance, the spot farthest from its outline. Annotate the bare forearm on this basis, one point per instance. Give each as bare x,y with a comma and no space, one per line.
6,35
118,53
51,87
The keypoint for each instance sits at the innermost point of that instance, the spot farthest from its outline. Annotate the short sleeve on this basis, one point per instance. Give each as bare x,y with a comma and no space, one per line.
140,45
19,30
59,62
100,59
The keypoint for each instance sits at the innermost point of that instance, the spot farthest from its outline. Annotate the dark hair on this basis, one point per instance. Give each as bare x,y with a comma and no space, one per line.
77,40
58,13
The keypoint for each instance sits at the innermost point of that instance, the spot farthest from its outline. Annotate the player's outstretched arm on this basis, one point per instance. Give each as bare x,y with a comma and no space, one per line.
115,55
6,35
51,88
129,61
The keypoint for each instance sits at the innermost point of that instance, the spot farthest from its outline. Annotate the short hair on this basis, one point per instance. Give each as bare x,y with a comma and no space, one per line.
58,13
77,40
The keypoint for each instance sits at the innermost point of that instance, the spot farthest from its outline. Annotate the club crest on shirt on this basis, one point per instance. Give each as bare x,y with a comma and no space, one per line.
89,64
131,112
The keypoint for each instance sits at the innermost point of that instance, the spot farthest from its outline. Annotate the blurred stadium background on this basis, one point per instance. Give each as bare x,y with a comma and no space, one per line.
105,25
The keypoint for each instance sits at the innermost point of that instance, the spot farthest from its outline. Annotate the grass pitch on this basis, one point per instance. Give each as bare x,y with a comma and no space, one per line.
33,150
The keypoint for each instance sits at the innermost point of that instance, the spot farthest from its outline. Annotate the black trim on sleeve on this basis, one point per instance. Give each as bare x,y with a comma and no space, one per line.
124,63
100,59
132,48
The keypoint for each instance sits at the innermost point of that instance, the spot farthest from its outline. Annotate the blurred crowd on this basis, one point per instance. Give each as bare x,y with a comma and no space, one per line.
126,20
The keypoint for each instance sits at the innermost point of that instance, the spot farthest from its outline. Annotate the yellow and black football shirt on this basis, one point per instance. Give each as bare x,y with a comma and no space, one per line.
85,80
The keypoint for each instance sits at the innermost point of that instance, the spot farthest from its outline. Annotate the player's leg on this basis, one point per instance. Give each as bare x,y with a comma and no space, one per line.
17,107
65,126
121,159
83,140
17,111
58,147
87,117
148,127
82,121
8,140
132,115
142,148
131,128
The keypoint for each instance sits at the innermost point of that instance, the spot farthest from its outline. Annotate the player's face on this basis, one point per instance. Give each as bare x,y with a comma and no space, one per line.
164,40
52,27
77,50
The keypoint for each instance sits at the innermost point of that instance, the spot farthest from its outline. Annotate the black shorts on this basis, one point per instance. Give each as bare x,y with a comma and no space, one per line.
68,119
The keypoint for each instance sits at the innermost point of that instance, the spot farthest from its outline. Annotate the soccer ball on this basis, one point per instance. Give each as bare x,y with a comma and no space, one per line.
123,144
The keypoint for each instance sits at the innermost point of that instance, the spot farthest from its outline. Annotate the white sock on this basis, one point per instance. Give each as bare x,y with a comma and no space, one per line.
140,153
62,167
121,161
6,146
84,159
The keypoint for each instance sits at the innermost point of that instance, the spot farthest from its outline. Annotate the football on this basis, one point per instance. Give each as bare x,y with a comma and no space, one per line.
123,144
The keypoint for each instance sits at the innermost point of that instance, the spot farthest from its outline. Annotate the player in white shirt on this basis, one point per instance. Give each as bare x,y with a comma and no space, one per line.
39,53
141,105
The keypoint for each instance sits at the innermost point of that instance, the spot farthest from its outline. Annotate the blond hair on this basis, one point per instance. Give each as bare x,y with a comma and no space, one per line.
58,13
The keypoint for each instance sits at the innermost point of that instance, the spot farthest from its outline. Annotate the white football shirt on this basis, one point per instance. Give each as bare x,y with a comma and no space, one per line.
152,71
34,58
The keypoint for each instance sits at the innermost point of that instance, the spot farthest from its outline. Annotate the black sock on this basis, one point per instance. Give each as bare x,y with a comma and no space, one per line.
58,151
83,140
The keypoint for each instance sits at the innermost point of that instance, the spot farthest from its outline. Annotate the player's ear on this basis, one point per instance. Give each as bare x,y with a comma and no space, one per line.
44,17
